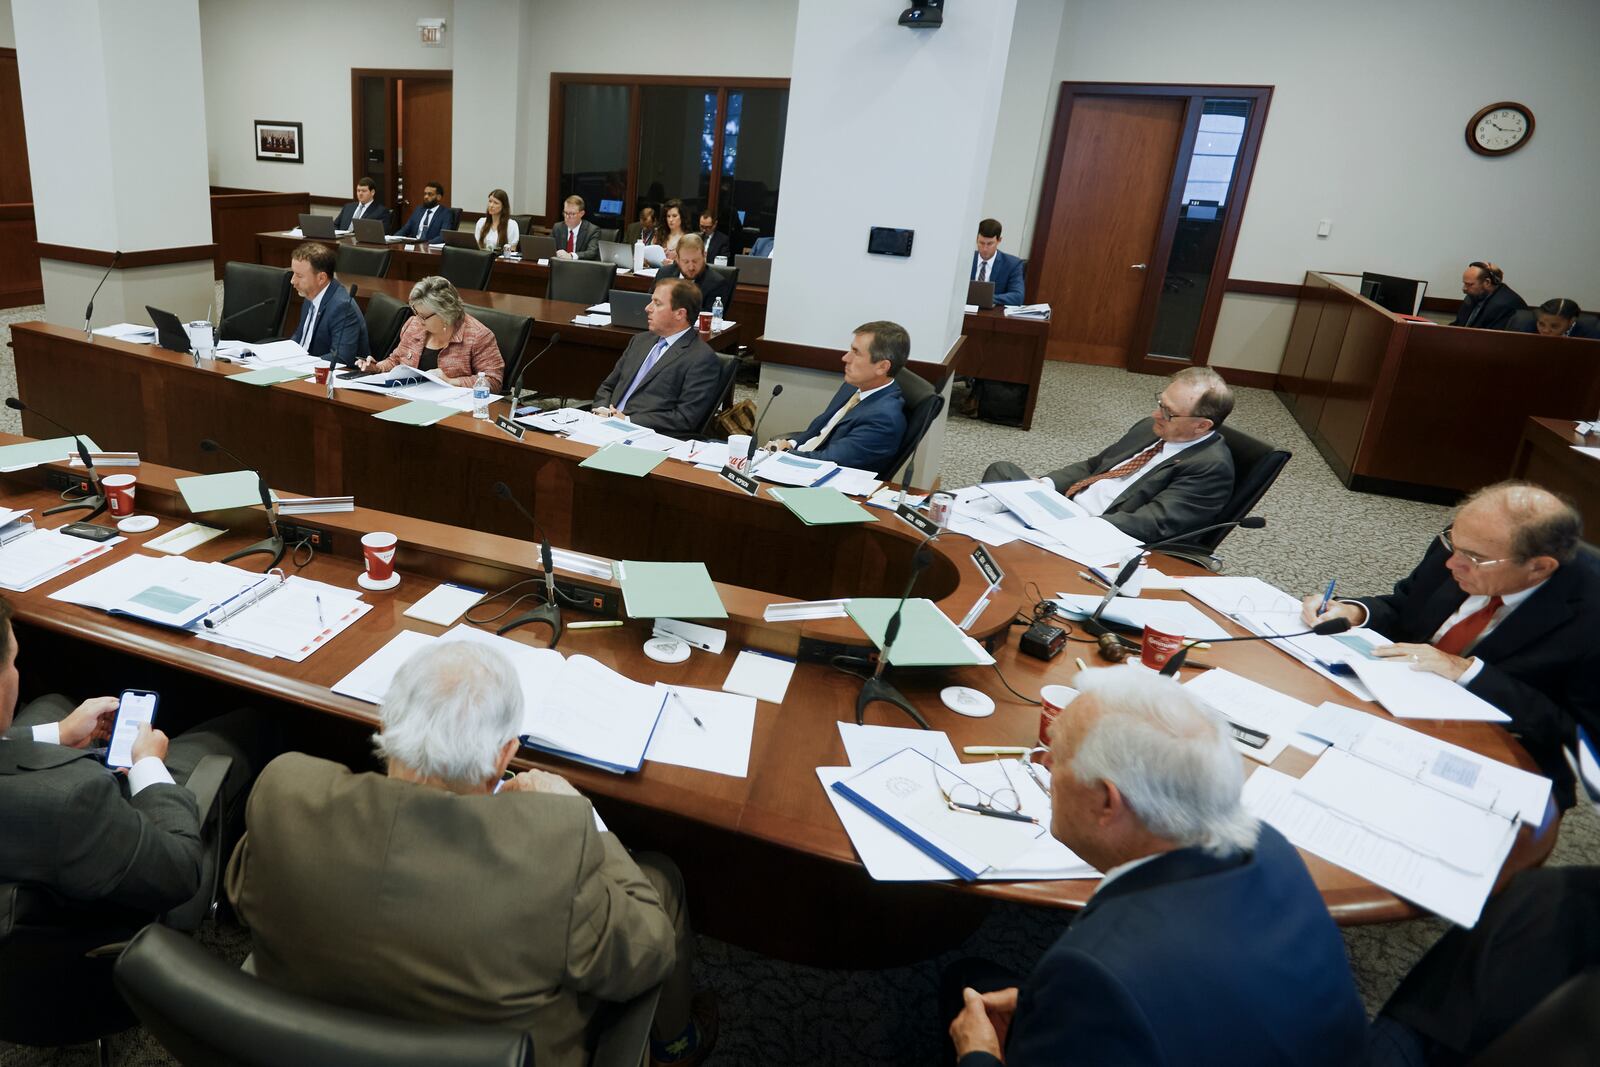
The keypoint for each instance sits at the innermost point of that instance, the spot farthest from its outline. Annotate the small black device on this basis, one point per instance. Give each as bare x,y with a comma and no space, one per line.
1403,296
1043,641
136,707
923,15
170,333
88,531
888,241
627,309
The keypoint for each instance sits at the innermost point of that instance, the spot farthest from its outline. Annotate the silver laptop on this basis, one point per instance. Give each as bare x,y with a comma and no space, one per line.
627,309
535,247
316,226
981,294
620,254
458,239
754,270
369,231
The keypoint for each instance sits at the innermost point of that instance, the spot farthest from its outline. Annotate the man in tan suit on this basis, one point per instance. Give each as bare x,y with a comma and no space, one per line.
425,894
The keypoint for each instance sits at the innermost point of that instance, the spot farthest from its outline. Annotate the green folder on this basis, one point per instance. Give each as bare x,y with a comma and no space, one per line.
668,591
417,413
621,459
33,453
218,492
821,506
926,639
268,376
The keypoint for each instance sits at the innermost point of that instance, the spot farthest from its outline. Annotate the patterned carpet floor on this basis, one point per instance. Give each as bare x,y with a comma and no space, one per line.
777,1013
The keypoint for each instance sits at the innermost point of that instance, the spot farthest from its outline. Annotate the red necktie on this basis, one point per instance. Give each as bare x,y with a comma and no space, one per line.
572,240
1460,637
1127,466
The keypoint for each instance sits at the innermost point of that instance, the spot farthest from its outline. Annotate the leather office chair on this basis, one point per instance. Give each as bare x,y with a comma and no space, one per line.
205,1012
511,333
1563,1030
455,218
466,268
245,285
354,259
581,280
631,232
385,317
524,224
727,370
730,273
923,401
1525,320
1256,465
610,235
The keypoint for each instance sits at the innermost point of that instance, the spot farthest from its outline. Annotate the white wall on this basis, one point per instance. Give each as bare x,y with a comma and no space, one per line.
1028,95
488,139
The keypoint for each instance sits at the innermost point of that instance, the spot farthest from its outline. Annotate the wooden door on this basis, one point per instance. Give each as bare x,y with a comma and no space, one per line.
15,186
1102,220
424,109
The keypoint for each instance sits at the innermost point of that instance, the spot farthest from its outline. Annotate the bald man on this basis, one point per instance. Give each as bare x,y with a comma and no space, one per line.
1506,602
1487,302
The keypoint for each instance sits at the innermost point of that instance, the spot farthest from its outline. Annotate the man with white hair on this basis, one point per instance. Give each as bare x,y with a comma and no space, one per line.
427,894
1205,943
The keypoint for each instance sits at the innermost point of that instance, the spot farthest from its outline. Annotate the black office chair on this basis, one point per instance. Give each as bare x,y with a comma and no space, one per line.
466,268
610,235
1025,281
455,218
923,401
1256,465
1523,320
727,371
245,285
355,259
511,333
524,224
631,232
730,273
205,1012
385,317
583,281
1563,1030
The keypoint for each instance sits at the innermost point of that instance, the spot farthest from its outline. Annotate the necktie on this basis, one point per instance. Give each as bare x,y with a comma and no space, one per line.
983,270
833,424
361,209
649,362
572,241
302,336
1473,315
422,228
1463,634
1126,467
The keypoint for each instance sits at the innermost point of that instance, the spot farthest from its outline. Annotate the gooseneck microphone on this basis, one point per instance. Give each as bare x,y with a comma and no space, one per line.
1325,628
1093,624
514,396
549,612
95,500
88,312
228,320
273,545
877,687
755,432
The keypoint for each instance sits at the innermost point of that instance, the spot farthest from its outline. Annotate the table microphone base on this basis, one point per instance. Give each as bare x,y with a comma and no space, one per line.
94,504
875,688
549,614
272,546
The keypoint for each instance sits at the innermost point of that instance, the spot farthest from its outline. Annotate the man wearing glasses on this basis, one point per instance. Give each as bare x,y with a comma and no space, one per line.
1506,603
1170,474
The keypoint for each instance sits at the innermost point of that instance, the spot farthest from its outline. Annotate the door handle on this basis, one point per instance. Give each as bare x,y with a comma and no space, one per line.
1139,266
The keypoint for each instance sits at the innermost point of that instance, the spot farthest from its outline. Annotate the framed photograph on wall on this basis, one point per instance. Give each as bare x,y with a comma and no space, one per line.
279,140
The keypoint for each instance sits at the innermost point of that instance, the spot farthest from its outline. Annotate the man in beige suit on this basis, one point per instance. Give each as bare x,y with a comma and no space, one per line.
425,894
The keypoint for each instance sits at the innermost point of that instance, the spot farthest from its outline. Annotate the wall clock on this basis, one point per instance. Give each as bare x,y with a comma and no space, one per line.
1499,129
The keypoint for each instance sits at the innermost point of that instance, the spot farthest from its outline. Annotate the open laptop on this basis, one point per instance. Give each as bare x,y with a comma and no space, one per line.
754,270
170,333
615,252
317,226
627,309
536,247
981,294
369,231
458,239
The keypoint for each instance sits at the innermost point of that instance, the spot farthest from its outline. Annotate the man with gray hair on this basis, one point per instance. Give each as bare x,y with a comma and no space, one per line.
1205,943
1170,474
439,892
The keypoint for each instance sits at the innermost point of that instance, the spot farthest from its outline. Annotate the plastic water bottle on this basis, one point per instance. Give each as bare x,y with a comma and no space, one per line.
480,397
716,313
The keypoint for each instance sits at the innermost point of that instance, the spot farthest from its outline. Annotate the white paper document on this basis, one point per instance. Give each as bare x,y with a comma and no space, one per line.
370,681
1168,616
719,742
866,745
1256,707
37,557
1412,694
607,431
166,590
1035,503
444,604
853,481
1329,656
762,675
129,331
289,621
280,354
1235,595
785,468
712,455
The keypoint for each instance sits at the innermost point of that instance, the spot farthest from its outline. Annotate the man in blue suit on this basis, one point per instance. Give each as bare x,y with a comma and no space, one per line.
865,421
1205,943
430,218
989,264
331,325
364,206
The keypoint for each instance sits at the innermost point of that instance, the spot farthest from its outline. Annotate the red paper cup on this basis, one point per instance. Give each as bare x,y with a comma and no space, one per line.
1158,647
705,322
1053,700
119,493
321,373
378,550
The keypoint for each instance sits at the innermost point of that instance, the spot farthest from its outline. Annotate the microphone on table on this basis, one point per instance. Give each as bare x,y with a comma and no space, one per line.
876,687
755,433
1326,628
88,312
93,501
905,483
1093,624
515,395
549,612
273,545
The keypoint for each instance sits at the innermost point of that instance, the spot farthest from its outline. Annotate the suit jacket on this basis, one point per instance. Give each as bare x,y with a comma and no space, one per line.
588,239
1191,959
1498,307
472,348
398,898
1006,273
340,332
71,826
1541,662
680,390
436,225
717,245
347,214
710,283
869,437
1180,493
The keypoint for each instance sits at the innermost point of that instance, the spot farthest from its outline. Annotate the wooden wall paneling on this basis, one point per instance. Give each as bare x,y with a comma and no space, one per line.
16,185
1369,339
1297,349
237,218
21,282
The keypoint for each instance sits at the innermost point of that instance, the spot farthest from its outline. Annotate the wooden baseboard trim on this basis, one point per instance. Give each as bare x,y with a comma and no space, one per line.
21,298
149,257
1252,379
1287,290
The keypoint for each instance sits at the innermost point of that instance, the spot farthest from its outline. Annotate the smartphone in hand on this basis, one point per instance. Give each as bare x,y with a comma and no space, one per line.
137,706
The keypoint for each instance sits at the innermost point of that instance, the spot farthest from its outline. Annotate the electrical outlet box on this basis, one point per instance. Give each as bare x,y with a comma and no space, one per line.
64,481
294,533
580,597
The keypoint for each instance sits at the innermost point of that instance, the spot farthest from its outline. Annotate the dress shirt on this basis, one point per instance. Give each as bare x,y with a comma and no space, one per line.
1508,603
838,416
491,236
657,351
984,265
1102,494
308,318
471,348
361,210
148,771
427,217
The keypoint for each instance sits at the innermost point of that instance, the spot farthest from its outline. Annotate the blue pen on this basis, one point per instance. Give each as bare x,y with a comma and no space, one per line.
1327,597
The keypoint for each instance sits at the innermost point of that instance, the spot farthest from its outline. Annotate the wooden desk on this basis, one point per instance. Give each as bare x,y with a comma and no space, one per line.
1419,410
1545,455
1006,350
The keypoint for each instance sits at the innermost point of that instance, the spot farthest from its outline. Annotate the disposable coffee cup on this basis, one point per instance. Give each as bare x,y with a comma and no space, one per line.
705,322
738,449
120,489
321,373
1158,647
1053,700
378,551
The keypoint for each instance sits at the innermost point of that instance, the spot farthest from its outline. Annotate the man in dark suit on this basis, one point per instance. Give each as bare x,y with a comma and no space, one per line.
865,422
430,218
717,244
1506,602
575,237
667,378
331,325
364,206
1488,302
1205,943
1170,474
692,265
989,264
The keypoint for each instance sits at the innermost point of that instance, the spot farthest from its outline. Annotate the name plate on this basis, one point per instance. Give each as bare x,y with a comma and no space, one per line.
926,526
513,428
740,479
986,564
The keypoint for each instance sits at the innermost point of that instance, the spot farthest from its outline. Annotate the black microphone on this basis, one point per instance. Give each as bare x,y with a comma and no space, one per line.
1249,522
550,611
522,372
875,687
228,320
88,312
905,483
273,545
95,501
755,433
1325,628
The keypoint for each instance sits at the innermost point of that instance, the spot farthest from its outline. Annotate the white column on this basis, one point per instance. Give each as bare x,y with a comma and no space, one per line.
488,135
888,126
114,105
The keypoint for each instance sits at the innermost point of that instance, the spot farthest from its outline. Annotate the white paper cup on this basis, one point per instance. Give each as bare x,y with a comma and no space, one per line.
738,449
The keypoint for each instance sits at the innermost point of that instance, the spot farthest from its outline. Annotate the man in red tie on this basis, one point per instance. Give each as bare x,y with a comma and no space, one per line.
1506,602
575,238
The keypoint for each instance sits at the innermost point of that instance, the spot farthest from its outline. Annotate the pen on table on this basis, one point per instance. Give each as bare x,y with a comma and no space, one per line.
694,449
598,624
1094,579
321,625
993,813
685,705
1327,597
996,750
1082,666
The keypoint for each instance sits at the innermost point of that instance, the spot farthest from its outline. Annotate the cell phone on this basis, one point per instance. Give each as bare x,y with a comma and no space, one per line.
89,531
137,706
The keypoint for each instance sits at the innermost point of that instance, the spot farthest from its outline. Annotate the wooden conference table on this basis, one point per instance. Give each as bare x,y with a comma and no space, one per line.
1546,455
431,486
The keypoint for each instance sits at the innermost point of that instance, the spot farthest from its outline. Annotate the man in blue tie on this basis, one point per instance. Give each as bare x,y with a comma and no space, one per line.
331,325
428,221
989,264
667,378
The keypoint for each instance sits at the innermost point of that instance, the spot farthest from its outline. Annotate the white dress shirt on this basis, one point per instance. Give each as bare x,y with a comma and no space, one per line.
821,436
361,209
982,265
492,238
146,772
310,316
1102,494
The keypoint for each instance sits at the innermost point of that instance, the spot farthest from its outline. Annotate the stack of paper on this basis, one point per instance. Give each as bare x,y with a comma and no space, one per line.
37,557
1169,616
1329,656
592,320
316,505
707,455
167,590
291,620
1262,711
370,681
786,468
762,675
1233,596
1028,311
281,354
1407,693
605,431
129,331
557,420
704,729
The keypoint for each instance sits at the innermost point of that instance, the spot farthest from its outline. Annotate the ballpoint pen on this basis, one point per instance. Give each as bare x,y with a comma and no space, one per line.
1327,597
684,704
322,625
993,813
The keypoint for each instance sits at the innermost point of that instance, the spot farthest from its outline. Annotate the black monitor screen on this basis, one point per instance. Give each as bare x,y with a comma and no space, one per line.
1399,295
611,207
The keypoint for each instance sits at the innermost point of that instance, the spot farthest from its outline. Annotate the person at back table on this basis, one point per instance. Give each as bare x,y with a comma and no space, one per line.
865,422
989,264
440,334
1487,301
1170,474
649,226
667,377
331,325
716,243
691,264
1562,318
673,227
429,220
1205,943
364,206
497,230
575,237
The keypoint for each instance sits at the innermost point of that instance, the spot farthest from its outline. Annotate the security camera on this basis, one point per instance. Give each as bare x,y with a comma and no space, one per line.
923,15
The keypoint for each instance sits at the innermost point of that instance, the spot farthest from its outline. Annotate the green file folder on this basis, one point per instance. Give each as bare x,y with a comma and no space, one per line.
668,590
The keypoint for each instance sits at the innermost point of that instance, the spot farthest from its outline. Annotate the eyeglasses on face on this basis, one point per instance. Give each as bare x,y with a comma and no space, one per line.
1446,539
1168,413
